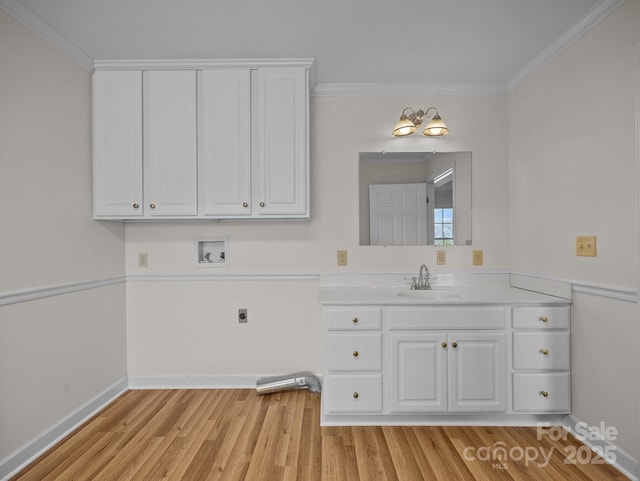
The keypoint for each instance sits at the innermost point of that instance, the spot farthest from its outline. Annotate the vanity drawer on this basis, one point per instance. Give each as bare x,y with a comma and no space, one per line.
429,318
541,317
350,318
354,352
542,392
352,393
541,351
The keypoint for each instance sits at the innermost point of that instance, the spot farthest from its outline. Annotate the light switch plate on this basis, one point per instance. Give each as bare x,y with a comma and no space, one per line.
342,258
586,245
441,257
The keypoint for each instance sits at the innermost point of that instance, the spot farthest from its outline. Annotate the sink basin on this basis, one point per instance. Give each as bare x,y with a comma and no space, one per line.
429,295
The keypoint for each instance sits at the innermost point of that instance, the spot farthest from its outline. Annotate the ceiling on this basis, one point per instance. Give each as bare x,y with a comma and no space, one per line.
479,46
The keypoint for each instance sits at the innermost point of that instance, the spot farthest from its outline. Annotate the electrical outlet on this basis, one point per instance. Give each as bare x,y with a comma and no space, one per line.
143,259
586,245
478,258
441,257
242,316
342,258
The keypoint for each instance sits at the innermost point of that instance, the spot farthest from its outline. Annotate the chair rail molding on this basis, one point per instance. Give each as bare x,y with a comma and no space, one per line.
30,294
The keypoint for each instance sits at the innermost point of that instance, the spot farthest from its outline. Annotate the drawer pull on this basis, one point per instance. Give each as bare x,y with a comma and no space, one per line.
354,320
544,394
356,395
444,345
454,345
543,318
135,206
261,204
544,352
153,206
245,205
356,354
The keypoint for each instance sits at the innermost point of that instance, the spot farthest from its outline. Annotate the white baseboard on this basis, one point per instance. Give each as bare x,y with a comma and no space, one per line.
221,381
193,382
624,462
12,464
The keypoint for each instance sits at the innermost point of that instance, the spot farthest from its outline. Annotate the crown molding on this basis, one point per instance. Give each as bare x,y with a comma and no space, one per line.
589,21
30,19
181,64
406,89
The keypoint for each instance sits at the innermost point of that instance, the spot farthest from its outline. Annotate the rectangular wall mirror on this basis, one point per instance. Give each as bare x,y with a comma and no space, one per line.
415,198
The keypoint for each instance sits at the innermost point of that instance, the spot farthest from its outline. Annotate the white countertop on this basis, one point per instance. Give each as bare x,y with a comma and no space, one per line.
440,295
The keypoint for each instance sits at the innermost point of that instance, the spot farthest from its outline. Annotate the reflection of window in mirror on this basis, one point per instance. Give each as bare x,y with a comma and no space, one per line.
443,227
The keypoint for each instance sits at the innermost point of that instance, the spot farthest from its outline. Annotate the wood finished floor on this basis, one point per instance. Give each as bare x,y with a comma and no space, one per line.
227,435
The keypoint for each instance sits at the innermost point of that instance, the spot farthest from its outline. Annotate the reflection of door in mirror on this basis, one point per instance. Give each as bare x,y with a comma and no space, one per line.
398,214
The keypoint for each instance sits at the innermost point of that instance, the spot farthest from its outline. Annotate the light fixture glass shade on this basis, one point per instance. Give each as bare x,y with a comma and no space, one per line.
436,127
404,127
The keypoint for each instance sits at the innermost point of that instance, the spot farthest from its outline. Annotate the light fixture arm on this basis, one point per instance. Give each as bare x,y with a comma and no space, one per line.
419,116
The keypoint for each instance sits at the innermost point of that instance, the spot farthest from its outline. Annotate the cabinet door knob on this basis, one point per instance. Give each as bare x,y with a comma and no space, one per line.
544,394
356,395
356,354
354,320
444,345
544,352
245,205
153,206
543,318
261,204
454,344
135,206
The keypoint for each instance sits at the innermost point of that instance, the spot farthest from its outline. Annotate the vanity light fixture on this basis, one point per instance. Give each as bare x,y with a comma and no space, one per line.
410,120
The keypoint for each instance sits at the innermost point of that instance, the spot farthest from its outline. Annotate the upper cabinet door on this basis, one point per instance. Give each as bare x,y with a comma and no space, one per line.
117,144
281,151
170,159
224,142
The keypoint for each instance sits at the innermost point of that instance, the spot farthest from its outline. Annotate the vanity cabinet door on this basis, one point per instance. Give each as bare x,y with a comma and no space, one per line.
117,144
477,372
418,376
456,372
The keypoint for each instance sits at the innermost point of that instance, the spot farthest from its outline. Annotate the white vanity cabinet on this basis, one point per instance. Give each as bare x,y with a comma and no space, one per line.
460,369
480,363
201,139
442,372
541,359
353,354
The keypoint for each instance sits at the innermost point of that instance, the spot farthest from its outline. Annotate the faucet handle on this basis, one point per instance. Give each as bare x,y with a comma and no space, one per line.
414,283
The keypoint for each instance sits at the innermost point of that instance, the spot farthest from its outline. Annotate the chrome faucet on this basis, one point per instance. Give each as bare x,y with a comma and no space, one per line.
421,283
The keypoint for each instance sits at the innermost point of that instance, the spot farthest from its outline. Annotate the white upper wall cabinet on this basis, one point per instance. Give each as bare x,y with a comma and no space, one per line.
201,139
224,142
117,144
170,162
280,113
